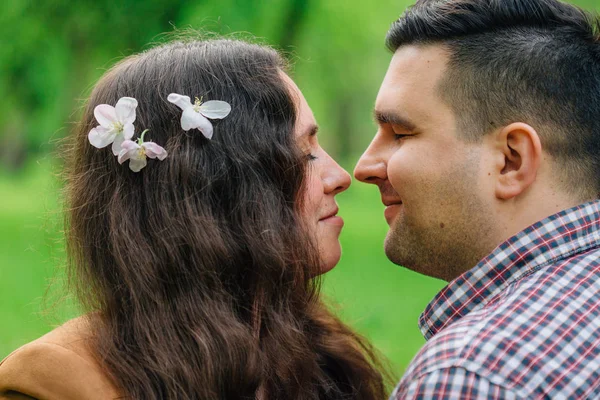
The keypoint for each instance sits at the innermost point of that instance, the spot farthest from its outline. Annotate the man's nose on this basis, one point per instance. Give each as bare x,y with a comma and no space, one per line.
371,167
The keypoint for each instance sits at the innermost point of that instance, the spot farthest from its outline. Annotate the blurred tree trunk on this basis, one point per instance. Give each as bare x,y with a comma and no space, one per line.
292,22
344,128
13,147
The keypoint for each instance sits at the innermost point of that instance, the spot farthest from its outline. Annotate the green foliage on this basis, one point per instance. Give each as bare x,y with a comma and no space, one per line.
53,51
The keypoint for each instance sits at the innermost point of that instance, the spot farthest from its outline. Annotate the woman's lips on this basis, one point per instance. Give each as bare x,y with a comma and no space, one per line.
333,220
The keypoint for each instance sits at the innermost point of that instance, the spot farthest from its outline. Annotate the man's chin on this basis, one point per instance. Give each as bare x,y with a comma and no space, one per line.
392,250
401,252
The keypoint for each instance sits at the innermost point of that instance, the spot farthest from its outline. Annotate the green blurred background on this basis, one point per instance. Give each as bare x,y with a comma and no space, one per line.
52,53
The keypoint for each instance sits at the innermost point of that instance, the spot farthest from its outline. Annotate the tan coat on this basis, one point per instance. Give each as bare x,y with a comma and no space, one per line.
56,366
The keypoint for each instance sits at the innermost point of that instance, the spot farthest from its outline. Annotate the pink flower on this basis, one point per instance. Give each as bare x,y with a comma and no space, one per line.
137,153
116,124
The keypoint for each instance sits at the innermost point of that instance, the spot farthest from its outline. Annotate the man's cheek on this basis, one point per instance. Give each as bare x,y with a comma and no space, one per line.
401,172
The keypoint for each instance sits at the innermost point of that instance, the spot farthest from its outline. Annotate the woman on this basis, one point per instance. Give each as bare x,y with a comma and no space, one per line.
194,249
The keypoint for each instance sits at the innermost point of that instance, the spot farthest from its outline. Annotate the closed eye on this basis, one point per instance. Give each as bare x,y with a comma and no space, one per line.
400,136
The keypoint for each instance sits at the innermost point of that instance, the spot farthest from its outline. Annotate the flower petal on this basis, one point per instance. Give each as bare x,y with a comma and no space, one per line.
130,145
128,131
180,101
116,146
154,151
125,110
190,119
136,164
215,109
105,115
129,149
124,155
100,137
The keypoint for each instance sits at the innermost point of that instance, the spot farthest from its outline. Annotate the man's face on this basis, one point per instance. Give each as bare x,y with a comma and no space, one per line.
431,180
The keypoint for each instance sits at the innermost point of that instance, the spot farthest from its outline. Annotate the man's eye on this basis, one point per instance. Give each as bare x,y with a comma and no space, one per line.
399,136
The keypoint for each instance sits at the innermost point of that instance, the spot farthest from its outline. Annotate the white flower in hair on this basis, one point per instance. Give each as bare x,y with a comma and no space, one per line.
196,115
116,124
137,153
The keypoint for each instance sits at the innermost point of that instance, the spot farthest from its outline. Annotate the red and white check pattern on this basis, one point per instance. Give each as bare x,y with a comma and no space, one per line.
523,324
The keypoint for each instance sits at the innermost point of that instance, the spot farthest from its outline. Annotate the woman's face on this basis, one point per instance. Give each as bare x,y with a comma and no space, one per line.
324,181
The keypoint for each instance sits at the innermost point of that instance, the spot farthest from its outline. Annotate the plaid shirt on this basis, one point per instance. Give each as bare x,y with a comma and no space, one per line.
523,324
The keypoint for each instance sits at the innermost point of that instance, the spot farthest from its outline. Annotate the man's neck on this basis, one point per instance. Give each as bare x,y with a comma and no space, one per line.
523,211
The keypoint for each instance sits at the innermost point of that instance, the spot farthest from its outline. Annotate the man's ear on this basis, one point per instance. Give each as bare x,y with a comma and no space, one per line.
520,145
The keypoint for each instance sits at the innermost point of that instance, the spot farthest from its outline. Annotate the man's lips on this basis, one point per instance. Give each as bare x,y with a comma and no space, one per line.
390,202
392,207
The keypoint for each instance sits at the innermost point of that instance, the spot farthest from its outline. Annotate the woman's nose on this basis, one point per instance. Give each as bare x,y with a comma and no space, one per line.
337,180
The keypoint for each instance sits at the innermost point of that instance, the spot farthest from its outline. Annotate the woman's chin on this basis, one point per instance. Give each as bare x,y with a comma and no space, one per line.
330,257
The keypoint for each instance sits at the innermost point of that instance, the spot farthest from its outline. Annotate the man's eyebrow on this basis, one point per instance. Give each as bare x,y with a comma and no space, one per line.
382,117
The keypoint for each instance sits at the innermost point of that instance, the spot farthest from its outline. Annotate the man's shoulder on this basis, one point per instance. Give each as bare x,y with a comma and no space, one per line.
545,324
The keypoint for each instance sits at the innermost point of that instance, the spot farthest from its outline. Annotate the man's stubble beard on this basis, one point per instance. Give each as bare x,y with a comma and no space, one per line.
443,242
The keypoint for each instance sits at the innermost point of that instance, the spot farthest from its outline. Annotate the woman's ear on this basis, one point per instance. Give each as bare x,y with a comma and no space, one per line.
521,148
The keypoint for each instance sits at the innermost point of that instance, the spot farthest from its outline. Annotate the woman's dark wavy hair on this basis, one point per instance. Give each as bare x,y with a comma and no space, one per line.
196,271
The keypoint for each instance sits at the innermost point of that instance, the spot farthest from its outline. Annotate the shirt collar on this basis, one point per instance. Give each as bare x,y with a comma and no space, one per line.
557,237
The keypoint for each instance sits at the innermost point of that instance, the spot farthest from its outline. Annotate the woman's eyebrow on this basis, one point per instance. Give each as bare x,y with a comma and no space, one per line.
312,130
383,117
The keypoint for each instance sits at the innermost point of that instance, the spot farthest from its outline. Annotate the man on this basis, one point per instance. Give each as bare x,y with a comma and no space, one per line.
487,157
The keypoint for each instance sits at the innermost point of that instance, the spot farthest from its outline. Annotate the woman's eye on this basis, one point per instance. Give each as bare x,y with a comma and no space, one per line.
311,157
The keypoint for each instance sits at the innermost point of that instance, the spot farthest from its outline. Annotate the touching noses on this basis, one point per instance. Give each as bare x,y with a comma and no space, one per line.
371,168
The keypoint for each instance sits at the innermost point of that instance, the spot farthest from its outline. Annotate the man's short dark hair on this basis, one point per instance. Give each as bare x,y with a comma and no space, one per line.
532,61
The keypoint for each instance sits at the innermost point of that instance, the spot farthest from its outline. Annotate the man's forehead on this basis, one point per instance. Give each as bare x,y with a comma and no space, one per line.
414,72
430,55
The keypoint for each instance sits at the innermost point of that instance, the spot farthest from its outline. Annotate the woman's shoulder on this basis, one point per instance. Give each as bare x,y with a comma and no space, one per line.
57,365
